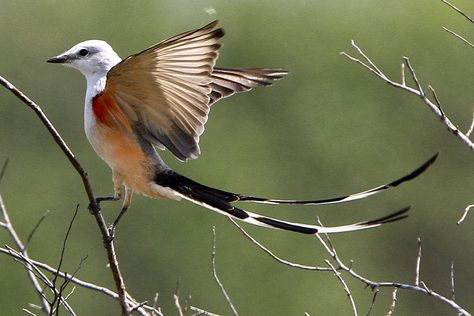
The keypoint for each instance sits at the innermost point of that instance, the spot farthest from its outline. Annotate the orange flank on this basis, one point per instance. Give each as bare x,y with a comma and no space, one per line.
109,113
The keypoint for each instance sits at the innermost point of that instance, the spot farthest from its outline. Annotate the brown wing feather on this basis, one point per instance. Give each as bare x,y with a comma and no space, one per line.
166,91
227,81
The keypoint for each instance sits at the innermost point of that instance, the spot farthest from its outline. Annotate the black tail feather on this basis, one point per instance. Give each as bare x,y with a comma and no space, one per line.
221,202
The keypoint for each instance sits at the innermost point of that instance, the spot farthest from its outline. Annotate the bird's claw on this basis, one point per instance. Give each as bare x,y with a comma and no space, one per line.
94,209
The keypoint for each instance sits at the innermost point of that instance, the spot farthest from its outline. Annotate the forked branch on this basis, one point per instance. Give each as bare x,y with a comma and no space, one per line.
434,105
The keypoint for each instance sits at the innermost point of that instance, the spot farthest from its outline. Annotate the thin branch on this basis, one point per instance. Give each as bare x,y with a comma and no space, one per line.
403,75
30,236
471,128
438,102
34,281
418,91
28,312
418,263
214,273
178,305
394,302
271,254
372,65
201,312
414,77
41,276
374,285
464,214
61,258
4,169
344,286
72,279
458,11
453,294
458,36
93,204
372,303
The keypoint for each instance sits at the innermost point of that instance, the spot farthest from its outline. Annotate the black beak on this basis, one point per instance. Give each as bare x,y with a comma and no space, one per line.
60,59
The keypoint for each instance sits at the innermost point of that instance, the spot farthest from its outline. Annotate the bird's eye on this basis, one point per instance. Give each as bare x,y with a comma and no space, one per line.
83,52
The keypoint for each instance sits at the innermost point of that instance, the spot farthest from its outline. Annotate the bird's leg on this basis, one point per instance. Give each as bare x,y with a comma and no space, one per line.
126,204
117,196
118,188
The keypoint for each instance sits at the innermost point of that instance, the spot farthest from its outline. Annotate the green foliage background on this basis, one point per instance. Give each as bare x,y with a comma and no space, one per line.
328,128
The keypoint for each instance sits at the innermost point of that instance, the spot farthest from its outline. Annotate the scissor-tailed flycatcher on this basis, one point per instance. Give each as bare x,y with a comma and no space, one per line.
160,98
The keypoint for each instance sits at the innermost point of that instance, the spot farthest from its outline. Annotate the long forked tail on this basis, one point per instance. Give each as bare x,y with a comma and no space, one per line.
346,198
220,201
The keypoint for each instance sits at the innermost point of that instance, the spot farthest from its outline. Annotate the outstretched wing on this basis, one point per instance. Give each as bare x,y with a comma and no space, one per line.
166,91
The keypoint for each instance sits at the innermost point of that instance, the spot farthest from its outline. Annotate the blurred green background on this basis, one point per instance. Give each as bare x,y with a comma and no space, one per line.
328,128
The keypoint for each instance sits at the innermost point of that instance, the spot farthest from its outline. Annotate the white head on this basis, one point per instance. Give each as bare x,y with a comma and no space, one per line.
92,58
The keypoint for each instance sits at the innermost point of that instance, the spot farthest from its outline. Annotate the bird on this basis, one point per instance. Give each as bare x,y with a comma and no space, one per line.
160,99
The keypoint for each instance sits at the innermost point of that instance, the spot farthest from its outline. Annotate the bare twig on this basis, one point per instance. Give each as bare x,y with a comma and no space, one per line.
414,77
28,312
458,11
77,281
4,169
61,258
178,305
374,285
418,91
348,269
214,273
471,128
34,281
418,263
453,296
372,303
464,214
271,254
93,204
394,302
438,102
344,286
30,236
458,36
403,75
201,312
43,278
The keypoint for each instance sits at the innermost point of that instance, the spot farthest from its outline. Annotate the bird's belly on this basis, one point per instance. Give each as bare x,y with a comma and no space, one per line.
126,158
123,154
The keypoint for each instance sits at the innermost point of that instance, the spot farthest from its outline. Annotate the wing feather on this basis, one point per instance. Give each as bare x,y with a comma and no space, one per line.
165,91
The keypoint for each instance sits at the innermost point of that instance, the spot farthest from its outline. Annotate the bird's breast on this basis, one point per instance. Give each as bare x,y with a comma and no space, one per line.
120,149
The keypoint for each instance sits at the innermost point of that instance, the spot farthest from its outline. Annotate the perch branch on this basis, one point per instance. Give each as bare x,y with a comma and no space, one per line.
94,205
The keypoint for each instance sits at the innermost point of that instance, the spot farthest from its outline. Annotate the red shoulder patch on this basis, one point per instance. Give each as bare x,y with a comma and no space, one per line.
109,113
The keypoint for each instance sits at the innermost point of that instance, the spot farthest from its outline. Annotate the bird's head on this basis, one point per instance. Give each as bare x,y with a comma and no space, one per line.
91,58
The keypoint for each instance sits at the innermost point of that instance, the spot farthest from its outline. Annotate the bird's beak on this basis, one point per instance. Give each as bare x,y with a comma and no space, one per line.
60,59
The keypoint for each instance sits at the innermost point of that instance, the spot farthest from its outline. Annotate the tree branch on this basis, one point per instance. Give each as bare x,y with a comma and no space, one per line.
7,224
100,289
94,206
350,271
418,91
